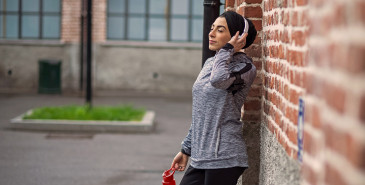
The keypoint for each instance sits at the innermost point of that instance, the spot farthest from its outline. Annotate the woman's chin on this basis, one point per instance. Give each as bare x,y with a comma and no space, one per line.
212,48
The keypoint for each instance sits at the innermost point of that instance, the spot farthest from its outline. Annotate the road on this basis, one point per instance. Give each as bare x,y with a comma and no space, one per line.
56,158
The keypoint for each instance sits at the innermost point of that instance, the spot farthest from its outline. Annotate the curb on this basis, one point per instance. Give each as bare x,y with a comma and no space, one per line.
145,126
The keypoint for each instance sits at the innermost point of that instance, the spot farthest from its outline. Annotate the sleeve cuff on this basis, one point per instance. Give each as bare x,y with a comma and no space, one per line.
227,46
183,151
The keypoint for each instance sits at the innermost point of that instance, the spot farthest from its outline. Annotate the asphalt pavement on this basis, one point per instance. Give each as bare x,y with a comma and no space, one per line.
81,158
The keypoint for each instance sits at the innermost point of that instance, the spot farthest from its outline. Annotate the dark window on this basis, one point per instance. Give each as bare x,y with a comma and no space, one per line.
155,20
30,19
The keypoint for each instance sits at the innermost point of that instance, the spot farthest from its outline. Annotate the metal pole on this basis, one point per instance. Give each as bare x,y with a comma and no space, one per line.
89,54
211,12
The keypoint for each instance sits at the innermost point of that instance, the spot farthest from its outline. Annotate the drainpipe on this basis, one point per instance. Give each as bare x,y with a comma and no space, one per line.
211,12
88,54
82,40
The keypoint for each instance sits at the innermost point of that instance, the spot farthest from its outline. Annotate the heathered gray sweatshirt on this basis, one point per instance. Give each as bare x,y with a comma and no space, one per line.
215,136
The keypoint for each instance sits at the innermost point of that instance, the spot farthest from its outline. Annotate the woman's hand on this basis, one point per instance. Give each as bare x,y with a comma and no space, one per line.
180,161
237,42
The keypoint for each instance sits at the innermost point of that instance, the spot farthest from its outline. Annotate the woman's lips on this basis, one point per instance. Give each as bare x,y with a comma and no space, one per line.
212,41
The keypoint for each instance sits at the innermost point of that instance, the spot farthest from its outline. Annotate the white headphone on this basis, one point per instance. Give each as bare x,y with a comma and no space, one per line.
245,30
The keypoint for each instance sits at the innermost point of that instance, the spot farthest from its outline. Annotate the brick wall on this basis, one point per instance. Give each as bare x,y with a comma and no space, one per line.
313,49
285,46
252,10
71,14
334,137
70,23
99,20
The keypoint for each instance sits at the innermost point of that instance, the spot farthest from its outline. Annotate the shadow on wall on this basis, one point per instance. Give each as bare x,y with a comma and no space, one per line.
251,135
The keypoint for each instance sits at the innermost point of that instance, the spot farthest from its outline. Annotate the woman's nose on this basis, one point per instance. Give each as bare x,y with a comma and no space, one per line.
211,34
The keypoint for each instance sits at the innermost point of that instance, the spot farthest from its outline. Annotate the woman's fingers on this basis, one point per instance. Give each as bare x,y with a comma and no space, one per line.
236,35
243,38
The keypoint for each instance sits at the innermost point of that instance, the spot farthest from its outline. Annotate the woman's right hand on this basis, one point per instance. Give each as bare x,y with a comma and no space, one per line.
180,161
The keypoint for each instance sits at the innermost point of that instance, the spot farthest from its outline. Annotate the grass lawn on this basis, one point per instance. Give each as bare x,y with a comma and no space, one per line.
74,112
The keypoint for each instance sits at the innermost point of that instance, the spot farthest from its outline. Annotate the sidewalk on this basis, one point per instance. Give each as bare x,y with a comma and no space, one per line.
51,158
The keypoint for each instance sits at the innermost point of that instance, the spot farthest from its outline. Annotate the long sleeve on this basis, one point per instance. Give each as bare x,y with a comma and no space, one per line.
186,143
220,75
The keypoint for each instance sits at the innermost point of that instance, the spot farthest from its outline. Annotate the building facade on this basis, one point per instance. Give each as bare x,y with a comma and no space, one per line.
139,45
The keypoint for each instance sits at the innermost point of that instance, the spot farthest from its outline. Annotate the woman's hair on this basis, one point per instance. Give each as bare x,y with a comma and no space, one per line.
236,23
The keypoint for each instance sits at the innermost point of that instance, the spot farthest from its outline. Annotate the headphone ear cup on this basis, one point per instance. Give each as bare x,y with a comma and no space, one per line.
251,34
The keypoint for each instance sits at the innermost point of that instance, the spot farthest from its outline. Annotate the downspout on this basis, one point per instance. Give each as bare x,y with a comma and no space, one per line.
89,54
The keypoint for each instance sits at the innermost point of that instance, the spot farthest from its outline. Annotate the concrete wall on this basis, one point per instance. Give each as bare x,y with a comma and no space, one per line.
158,69
116,67
277,168
19,65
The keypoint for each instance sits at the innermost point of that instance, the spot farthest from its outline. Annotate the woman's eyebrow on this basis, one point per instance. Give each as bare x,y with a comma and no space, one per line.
219,26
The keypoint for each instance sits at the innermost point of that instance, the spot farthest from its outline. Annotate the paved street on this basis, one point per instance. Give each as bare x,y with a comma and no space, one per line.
54,158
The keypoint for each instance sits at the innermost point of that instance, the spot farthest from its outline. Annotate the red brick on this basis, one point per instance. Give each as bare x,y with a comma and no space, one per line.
253,12
286,19
266,6
239,2
230,3
253,105
295,58
292,135
286,92
336,139
334,176
258,24
335,97
302,2
255,91
294,18
254,51
309,174
258,80
241,11
294,96
285,37
355,151
266,107
284,4
270,3
360,10
257,40
299,38
254,117
253,1
356,61
266,51
311,145
362,109
281,52
271,126
316,117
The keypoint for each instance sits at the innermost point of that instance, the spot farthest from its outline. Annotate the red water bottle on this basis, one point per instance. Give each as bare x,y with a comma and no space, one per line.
168,177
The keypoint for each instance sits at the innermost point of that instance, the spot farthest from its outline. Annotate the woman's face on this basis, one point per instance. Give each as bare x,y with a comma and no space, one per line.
219,34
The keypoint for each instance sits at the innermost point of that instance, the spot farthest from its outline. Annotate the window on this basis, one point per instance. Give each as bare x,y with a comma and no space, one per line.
30,19
155,20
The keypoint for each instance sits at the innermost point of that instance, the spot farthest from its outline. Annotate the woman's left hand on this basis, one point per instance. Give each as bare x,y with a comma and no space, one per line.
237,42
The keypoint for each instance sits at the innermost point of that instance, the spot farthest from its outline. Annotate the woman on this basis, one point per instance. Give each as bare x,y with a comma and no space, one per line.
214,142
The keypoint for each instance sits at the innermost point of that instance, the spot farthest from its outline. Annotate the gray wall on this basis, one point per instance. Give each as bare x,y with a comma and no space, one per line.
159,69
116,67
276,167
22,60
251,135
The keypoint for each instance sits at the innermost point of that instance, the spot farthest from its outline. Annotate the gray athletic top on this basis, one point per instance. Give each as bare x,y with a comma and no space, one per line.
215,137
